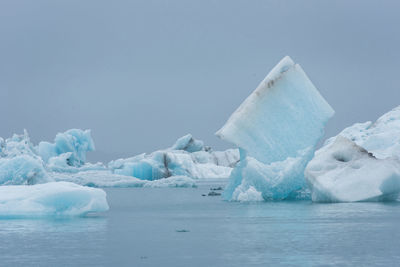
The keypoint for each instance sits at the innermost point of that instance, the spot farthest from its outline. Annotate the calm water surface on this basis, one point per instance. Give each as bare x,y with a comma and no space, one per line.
180,227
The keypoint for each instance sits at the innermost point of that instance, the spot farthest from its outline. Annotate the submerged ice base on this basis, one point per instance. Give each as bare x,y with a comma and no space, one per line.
276,128
253,180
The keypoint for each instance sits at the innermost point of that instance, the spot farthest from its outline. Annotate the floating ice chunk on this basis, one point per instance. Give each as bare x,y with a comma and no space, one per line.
76,142
98,178
105,178
173,181
342,171
275,181
284,115
382,137
249,195
50,199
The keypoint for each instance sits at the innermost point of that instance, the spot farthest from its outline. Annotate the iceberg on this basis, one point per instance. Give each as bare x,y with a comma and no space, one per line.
50,199
284,115
276,128
201,162
189,144
75,142
65,160
104,179
362,163
173,181
22,169
19,163
342,171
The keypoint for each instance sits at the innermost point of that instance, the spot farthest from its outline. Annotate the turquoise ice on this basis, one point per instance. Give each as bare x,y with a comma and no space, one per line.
277,128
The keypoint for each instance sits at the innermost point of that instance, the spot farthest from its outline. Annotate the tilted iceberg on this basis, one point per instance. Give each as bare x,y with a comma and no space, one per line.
342,171
50,199
276,128
360,164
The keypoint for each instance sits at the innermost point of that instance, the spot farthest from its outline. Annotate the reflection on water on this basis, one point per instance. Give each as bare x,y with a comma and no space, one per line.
141,229
52,225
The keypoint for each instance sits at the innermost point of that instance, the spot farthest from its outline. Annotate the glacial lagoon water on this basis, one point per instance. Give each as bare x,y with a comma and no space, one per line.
180,227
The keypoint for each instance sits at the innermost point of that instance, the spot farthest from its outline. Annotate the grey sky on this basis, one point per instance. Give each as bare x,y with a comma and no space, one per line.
140,74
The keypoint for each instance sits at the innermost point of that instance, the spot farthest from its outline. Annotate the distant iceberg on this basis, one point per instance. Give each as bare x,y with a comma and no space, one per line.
19,162
72,145
105,178
50,199
187,157
360,164
276,128
65,160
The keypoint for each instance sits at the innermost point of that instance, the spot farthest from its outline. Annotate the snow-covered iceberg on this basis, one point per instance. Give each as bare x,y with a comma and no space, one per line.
276,128
382,138
50,199
342,171
362,163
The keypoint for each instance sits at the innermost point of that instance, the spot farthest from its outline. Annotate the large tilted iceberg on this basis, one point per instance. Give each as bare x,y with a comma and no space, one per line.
50,199
276,129
360,164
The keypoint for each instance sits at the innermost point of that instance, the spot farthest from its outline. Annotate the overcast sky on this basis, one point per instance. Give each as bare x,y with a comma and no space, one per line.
140,74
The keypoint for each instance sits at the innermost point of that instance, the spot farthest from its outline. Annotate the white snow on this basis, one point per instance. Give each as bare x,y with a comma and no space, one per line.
342,171
382,138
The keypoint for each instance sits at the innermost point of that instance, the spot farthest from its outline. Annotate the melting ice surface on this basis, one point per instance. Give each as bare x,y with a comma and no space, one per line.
276,128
